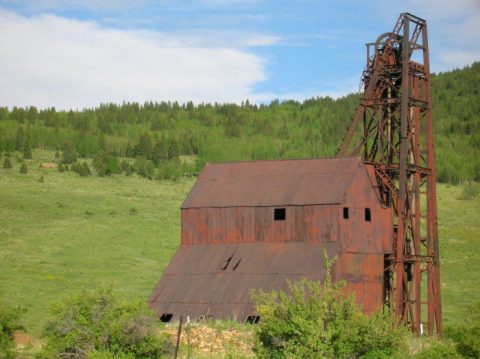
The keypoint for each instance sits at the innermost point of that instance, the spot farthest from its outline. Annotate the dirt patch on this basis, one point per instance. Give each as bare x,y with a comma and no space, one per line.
23,340
204,339
48,165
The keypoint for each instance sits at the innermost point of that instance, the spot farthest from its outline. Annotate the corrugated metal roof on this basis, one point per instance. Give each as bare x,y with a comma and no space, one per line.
273,183
216,279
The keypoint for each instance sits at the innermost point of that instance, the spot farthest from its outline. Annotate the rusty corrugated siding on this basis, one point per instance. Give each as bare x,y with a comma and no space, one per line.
257,224
195,282
273,183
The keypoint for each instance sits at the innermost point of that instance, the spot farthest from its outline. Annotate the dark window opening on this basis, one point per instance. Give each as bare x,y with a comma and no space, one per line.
279,214
387,278
368,215
408,269
236,265
345,212
227,262
166,318
253,319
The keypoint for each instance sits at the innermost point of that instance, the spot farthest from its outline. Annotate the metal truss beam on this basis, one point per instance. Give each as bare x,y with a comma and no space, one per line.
392,129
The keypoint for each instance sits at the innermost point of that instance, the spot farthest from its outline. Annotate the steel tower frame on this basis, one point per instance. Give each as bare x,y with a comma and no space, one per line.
392,129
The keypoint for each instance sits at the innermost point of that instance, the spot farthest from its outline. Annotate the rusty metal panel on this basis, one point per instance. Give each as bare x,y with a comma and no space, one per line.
364,278
217,278
317,223
273,183
368,295
359,235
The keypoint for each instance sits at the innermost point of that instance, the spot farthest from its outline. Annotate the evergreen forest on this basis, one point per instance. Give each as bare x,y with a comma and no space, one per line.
167,140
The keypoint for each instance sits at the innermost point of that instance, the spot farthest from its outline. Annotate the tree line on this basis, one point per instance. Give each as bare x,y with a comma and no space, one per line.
160,139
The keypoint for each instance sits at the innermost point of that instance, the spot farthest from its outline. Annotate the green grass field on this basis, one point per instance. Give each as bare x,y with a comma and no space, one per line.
70,233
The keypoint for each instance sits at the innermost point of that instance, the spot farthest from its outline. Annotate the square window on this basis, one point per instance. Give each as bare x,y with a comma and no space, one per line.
166,317
279,214
368,215
253,319
345,212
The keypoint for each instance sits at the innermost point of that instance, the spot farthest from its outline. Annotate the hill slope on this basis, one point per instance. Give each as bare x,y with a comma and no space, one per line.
71,232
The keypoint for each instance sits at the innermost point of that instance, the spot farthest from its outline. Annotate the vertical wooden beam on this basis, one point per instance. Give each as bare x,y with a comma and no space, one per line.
434,300
400,287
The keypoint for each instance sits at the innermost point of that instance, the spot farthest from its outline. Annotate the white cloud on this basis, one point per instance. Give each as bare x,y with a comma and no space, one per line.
90,5
52,61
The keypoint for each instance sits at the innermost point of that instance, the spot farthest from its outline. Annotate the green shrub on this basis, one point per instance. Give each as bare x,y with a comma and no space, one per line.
466,336
124,166
9,322
41,179
23,168
61,168
96,325
470,191
316,320
81,168
7,163
144,167
69,154
27,152
437,349
109,355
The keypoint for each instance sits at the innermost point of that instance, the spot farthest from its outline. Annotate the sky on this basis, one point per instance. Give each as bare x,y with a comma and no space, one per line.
80,53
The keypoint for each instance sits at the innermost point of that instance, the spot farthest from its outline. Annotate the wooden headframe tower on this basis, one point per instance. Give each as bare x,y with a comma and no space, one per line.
392,129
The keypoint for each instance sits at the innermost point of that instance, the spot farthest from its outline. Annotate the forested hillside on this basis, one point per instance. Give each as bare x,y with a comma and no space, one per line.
167,140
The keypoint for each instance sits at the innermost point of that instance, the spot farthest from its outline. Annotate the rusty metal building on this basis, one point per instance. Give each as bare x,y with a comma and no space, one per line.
253,225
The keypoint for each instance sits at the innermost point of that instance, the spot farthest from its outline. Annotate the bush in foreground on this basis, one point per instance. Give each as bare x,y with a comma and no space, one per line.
96,325
9,322
316,320
437,349
466,336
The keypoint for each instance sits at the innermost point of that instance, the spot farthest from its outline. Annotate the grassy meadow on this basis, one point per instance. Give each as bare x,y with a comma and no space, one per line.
70,232
73,232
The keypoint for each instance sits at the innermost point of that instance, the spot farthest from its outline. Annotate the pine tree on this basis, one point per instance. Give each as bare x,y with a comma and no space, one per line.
100,163
232,129
27,151
144,147
124,166
284,132
112,166
70,153
7,163
159,152
85,170
20,139
32,114
173,151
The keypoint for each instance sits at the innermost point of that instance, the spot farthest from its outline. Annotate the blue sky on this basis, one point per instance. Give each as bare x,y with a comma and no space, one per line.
78,54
